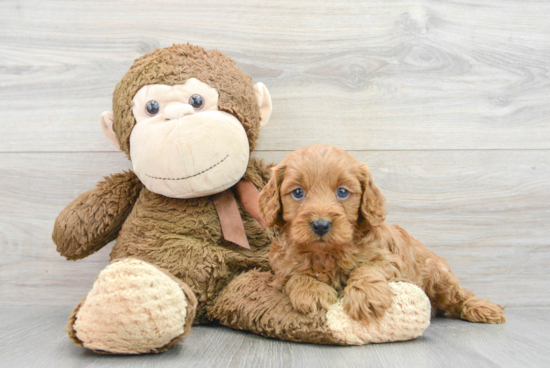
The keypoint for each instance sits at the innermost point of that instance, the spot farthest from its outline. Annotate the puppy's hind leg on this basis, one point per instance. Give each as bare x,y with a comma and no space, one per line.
444,290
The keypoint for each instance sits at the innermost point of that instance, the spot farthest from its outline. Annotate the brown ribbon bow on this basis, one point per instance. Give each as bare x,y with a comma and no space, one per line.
228,211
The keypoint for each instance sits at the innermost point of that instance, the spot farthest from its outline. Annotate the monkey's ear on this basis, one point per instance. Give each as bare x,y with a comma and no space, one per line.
264,100
373,211
106,120
270,205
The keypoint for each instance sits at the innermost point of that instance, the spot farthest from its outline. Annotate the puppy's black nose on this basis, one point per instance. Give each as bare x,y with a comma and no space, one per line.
321,227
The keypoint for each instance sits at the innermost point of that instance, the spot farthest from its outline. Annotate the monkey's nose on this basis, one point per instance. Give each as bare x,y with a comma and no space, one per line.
321,227
177,111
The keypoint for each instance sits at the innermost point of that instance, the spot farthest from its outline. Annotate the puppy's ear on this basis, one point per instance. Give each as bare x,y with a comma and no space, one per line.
271,207
372,210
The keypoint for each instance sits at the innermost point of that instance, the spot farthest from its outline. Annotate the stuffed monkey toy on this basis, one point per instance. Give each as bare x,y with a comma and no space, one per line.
190,246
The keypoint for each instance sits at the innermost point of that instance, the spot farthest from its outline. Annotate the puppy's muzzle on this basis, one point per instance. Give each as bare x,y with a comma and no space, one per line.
321,227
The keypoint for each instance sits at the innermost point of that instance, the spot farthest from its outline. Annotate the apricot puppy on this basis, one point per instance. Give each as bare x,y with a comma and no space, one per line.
335,242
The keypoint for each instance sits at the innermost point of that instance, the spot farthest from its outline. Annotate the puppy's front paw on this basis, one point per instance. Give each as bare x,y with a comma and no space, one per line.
367,301
310,299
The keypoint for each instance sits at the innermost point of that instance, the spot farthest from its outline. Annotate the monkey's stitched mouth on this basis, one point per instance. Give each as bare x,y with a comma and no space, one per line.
191,176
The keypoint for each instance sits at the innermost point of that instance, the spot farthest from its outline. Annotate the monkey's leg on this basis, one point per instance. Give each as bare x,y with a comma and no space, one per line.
443,288
249,303
134,307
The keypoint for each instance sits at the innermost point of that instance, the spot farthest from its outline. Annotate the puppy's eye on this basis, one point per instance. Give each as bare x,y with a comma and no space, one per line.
152,108
342,193
298,193
196,101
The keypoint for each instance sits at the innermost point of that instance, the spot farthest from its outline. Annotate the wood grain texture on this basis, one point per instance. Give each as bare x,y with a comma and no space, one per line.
448,101
485,211
33,336
377,75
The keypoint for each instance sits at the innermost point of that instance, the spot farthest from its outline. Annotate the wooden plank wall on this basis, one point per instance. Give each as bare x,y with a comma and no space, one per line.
448,101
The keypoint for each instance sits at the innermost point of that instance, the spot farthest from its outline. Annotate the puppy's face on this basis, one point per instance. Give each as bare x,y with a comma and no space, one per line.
321,195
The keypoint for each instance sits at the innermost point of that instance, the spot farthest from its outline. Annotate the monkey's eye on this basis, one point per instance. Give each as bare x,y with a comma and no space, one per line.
196,101
298,193
342,193
152,107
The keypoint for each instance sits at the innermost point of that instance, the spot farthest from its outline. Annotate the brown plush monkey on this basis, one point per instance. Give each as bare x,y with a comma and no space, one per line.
188,119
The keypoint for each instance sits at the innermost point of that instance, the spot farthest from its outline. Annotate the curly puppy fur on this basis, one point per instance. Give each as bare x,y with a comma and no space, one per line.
357,257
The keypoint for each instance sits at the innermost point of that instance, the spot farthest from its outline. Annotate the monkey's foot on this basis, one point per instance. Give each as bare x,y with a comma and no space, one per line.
249,303
406,319
134,307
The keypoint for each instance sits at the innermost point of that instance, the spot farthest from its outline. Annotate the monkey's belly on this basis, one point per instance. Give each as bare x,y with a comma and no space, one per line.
184,237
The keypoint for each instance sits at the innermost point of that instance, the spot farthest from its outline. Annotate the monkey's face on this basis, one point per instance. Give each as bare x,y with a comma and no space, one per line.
182,146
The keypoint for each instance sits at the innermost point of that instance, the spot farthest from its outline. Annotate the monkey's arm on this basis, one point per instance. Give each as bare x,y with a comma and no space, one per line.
94,218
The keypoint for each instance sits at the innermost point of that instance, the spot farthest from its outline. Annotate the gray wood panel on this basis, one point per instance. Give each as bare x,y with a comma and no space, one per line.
377,75
485,211
448,101
31,337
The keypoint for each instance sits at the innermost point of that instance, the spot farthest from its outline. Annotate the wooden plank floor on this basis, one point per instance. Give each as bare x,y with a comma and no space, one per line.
448,102
33,337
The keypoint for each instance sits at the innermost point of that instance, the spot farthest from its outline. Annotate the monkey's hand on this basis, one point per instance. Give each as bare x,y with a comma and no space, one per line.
307,294
94,218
